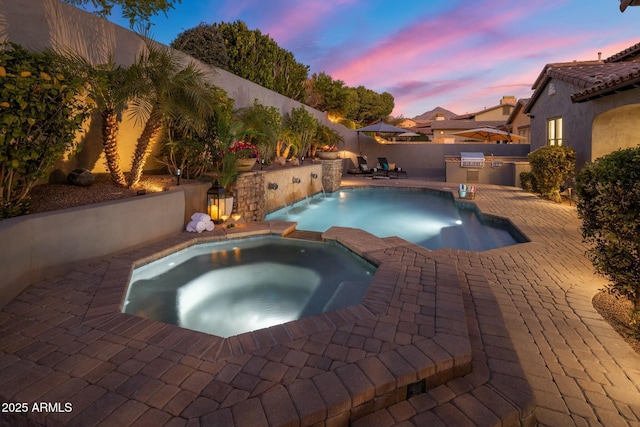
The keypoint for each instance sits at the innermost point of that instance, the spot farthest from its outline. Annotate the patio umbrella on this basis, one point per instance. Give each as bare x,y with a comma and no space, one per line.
381,127
489,134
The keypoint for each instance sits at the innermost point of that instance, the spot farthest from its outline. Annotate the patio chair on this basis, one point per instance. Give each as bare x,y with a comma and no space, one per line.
391,170
362,169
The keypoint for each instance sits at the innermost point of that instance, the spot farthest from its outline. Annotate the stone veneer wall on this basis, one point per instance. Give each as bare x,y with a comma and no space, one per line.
253,199
249,196
331,174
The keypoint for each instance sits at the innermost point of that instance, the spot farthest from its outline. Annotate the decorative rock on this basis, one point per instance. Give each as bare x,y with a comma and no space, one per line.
280,161
295,161
81,177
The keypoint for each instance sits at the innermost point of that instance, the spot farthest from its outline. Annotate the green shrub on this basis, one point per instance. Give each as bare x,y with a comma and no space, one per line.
40,114
551,167
528,182
609,206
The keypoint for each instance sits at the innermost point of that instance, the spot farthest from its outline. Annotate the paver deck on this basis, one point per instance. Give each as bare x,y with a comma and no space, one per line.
519,320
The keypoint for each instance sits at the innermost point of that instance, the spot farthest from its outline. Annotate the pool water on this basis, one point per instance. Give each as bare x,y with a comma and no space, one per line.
426,219
239,286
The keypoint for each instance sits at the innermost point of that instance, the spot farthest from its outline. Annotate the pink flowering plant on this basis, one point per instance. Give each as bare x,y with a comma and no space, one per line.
243,149
328,148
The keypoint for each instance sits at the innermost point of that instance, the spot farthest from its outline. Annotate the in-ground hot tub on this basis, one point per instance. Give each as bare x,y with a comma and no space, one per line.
228,288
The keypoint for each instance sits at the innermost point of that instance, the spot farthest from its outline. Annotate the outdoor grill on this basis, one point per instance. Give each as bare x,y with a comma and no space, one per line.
472,160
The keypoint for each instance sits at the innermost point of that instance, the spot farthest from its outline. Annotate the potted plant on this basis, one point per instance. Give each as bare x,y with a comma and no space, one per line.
327,142
246,155
327,152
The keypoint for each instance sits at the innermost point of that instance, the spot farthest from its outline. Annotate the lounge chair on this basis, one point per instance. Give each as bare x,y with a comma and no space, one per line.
390,169
362,169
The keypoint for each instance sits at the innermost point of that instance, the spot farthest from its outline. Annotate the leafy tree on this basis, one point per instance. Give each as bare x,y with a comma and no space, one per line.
164,94
325,94
204,42
609,206
551,166
41,112
370,105
133,10
264,123
250,55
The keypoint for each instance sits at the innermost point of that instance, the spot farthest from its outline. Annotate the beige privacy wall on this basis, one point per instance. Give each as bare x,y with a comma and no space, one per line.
38,24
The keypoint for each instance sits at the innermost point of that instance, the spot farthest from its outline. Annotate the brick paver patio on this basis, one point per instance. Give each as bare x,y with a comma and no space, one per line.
481,333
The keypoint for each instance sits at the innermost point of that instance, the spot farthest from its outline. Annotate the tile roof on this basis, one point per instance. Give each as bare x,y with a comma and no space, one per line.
628,53
612,77
592,79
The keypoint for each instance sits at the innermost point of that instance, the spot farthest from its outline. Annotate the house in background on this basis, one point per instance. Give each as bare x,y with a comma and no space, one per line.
591,106
422,124
495,116
519,123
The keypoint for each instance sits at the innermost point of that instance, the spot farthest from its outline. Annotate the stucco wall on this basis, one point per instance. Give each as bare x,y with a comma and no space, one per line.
38,24
427,160
576,120
289,192
592,128
615,129
43,245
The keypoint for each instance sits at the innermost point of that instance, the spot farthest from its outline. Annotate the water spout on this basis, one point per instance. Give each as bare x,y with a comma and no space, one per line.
272,186
296,180
315,176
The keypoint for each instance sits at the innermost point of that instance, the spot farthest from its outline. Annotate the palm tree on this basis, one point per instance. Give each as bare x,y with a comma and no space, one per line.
109,79
164,94
104,83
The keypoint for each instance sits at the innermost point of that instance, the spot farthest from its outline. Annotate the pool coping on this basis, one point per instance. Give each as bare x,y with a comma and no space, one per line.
515,230
341,375
417,322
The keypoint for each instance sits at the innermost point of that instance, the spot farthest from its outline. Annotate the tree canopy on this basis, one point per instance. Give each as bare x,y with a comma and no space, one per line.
133,10
258,58
246,53
206,43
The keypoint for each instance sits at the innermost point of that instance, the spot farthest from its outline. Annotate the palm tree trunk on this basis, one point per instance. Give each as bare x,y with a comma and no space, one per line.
110,142
143,148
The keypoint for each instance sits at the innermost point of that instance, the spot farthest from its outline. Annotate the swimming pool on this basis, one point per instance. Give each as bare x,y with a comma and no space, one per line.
228,288
421,217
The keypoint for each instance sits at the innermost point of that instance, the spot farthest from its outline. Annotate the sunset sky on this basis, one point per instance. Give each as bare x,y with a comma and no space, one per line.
460,55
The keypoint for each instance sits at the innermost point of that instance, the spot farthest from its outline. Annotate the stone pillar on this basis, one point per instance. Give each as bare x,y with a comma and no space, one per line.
249,196
331,174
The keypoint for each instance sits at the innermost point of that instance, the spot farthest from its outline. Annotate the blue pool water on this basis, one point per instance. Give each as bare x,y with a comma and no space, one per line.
429,220
228,288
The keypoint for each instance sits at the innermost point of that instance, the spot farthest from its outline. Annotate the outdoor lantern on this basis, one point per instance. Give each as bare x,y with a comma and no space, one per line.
216,203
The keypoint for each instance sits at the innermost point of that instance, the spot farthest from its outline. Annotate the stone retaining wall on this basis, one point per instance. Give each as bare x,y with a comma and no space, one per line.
249,196
331,174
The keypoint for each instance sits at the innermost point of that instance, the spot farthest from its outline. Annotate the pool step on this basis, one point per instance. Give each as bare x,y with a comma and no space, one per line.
314,236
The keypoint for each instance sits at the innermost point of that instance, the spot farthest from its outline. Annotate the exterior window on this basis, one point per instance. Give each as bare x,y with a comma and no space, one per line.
554,131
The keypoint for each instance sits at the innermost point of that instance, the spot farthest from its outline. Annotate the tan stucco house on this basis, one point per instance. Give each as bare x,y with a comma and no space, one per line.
496,116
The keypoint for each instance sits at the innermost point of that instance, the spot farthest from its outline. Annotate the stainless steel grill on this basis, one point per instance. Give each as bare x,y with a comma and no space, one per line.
471,160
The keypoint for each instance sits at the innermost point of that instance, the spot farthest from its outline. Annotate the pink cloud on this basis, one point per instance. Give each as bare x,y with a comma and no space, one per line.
427,39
